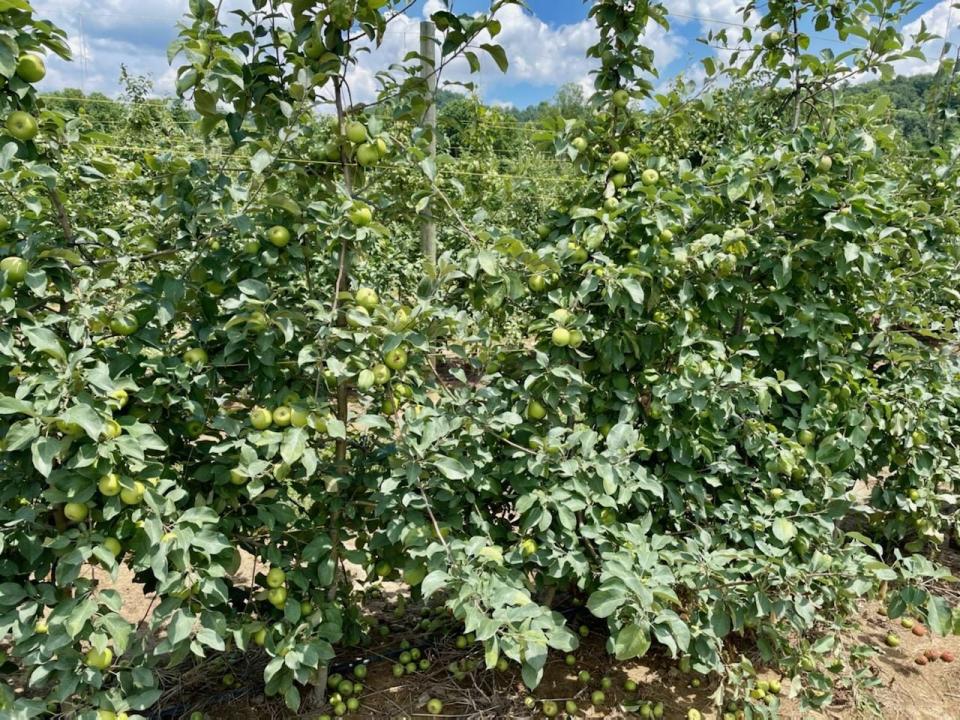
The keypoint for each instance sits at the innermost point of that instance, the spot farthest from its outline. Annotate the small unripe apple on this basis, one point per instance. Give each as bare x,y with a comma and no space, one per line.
195,356
133,495
22,126
396,359
15,269
361,216
261,418
30,68
619,161
278,236
367,298
368,154
109,484
356,133
76,512
560,337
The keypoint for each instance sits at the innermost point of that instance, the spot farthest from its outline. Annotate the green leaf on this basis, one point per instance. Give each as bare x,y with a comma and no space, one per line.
738,187
498,54
180,627
634,289
12,406
86,417
784,530
452,469
631,642
293,445
44,451
44,340
939,618
433,582
261,161
605,601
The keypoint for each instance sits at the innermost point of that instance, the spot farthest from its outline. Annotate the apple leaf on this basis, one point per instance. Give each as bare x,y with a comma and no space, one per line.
632,641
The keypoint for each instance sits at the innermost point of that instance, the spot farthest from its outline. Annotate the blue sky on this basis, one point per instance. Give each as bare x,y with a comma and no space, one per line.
545,43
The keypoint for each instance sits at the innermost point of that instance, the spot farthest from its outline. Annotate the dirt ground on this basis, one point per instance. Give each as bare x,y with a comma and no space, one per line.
905,689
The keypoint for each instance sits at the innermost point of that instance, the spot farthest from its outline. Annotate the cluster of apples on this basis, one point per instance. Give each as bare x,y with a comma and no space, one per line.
22,125
366,150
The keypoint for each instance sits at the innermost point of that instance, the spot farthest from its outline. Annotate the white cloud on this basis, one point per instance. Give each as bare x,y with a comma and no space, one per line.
941,20
106,33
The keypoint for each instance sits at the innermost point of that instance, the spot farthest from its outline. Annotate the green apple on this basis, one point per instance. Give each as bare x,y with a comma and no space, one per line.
383,569
367,298
560,337
299,415
650,177
536,411
621,98
41,627
608,516
611,204
124,324
120,396
4,223
619,161
365,380
396,359
806,437
237,477
618,180
579,144
276,578
22,126
277,597
98,660
259,637
361,216
278,236
257,321
30,68
133,495
76,512
313,48
113,545
282,416
109,485
537,282
550,708
251,247
195,356
528,547
356,133
368,154
261,418
381,145
15,268
576,338
825,164
434,706
112,430
381,374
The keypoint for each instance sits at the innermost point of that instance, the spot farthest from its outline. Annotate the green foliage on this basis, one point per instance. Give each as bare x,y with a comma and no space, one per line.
702,380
